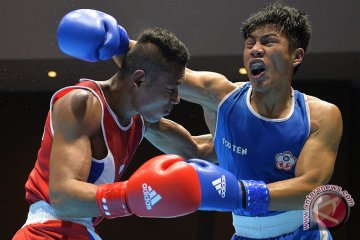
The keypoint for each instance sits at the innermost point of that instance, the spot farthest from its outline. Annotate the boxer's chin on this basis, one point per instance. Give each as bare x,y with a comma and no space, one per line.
153,118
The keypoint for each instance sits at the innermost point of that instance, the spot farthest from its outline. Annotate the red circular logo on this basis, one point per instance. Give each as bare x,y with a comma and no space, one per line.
330,209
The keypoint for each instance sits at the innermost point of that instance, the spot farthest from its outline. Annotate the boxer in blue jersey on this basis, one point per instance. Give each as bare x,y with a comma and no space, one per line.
280,144
264,130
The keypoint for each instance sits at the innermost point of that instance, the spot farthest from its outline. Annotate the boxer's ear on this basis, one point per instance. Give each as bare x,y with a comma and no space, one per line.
138,77
298,56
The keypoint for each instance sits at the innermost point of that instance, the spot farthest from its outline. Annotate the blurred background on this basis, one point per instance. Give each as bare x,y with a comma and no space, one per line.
211,31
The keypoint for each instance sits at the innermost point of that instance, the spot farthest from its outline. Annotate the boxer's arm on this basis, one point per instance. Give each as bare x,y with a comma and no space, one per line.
76,118
93,35
207,141
205,88
172,138
118,59
316,161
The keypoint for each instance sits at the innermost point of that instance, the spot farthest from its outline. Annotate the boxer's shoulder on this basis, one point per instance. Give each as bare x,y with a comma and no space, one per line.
322,114
79,108
78,101
219,86
239,84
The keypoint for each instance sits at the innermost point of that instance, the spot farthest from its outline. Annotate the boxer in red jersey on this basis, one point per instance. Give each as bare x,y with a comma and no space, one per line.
93,128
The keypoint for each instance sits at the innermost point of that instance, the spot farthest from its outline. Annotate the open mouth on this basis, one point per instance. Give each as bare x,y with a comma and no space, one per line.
257,68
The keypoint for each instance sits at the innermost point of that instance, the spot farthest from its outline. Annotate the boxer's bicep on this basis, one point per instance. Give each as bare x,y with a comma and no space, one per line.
205,88
315,164
317,158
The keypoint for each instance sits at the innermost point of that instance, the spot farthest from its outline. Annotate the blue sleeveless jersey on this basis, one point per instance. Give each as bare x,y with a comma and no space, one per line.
253,147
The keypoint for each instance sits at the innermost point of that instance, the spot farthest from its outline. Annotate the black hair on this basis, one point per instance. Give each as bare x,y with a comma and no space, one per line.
155,49
292,22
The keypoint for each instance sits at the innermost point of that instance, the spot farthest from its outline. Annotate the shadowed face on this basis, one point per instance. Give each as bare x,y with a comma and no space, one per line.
157,95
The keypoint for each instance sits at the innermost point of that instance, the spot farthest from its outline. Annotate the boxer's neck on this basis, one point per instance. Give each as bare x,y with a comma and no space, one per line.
117,93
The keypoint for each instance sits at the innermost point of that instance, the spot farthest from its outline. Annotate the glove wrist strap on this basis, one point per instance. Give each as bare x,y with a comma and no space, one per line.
111,200
256,196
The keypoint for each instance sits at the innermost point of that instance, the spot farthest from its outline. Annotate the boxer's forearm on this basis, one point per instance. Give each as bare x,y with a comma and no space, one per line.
74,198
172,138
289,194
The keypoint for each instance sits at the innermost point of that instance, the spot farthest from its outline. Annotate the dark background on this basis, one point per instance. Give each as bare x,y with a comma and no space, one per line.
210,29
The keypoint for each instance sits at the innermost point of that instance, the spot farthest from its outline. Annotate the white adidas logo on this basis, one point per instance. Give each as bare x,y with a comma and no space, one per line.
150,196
220,185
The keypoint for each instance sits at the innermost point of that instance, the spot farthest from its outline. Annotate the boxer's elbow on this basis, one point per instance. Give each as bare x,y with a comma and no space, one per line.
73,198
58,200
205,148
202,151
61,198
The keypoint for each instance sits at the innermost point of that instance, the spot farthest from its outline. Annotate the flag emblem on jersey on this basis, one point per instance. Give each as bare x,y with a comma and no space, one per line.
220,185
151,197
285,161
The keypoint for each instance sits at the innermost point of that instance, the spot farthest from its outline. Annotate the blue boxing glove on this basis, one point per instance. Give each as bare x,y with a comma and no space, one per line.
91,35
220,190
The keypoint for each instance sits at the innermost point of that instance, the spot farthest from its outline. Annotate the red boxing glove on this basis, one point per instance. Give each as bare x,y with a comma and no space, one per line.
165,186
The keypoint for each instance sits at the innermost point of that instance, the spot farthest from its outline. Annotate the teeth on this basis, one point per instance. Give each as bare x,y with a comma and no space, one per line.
256,65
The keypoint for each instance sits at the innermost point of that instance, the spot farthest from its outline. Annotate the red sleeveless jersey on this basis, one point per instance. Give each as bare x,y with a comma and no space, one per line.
121,143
